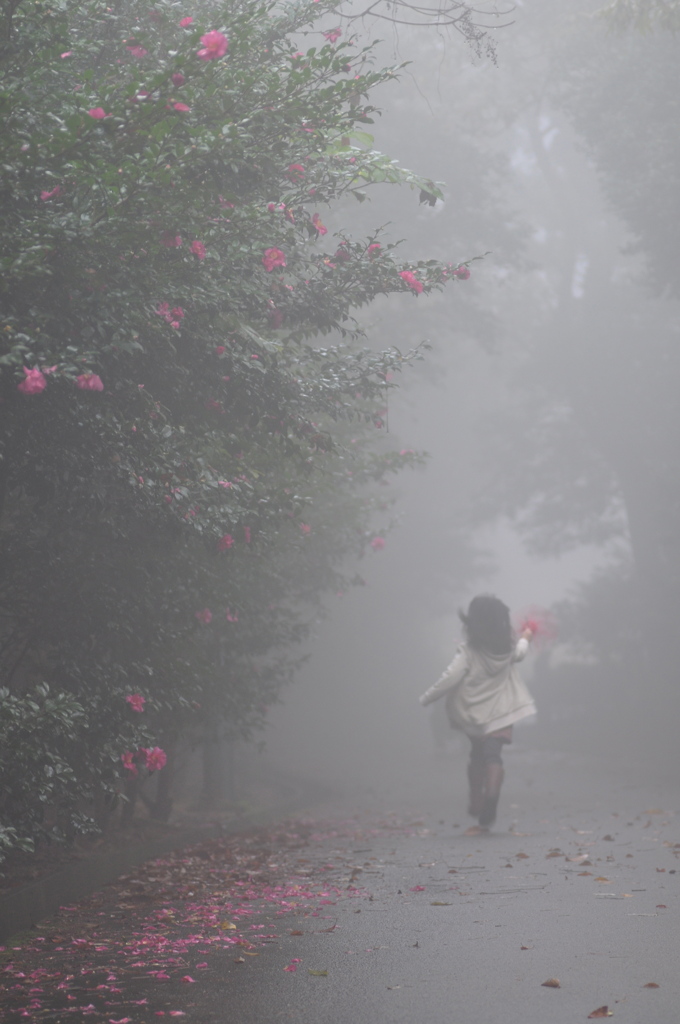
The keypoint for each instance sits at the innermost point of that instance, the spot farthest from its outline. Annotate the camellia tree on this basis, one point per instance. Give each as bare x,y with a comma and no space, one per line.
185,466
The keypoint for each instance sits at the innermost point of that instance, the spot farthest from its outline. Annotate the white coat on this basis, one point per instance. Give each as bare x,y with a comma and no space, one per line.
484,692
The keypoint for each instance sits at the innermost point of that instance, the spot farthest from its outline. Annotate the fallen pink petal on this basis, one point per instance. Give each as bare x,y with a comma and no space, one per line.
136,701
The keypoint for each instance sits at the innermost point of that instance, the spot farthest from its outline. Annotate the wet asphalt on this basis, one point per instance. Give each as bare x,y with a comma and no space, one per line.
578,882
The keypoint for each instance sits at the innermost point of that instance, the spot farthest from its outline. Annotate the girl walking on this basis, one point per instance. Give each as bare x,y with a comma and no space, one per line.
485,696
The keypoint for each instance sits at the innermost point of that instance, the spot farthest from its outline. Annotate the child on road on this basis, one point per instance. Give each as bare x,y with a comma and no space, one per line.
485,696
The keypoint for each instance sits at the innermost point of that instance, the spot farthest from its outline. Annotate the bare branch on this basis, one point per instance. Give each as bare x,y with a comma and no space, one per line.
474,23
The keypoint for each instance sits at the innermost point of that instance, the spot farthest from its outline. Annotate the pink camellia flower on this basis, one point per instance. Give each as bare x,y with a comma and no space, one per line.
462,273
198,249
137,51
214,45
411,280
69,53
316,221
187,979
205,616
273,258
156,759
89,382
33,383
374,249
187,21
183,108
246,534
295,172
305,528
333,35
170,240
225,542
97,113
49,195
231,616
178,78
178,312
378,543
220,350
128,759
136,701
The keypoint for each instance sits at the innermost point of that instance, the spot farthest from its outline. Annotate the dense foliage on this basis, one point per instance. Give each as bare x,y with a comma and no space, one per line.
185,468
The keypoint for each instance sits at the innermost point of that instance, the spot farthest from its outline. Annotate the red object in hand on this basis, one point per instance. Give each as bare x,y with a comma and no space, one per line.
540,623
532,625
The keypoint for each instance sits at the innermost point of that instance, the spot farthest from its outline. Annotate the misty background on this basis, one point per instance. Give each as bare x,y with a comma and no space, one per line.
547,404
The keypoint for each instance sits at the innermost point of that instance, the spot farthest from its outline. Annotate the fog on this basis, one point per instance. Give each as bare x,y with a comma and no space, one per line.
547,404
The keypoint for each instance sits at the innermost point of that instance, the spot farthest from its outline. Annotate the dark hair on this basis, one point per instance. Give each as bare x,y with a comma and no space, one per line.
487,625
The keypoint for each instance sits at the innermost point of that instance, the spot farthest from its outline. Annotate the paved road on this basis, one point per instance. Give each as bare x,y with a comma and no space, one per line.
464,930
415,922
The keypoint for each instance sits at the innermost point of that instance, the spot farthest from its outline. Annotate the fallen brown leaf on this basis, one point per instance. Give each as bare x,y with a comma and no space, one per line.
551,983
650,984
239,960
522,856
661,906
601,878
438,903
296,932
582,873
601,1011
317,974
526,947
608,838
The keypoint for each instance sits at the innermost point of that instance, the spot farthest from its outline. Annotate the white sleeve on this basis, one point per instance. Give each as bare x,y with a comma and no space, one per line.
521,649
453,675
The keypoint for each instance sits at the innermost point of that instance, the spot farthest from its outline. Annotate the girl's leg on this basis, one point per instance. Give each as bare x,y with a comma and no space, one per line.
476,777
494,774
493,778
